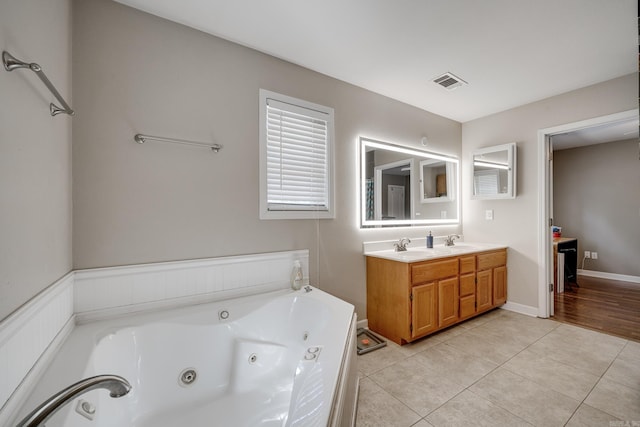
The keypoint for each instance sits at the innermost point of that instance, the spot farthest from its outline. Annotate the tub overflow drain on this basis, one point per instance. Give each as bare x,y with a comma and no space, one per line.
253,358
188,376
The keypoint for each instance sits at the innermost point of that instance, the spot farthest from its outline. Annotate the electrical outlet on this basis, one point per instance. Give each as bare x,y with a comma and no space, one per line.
594,255
587,254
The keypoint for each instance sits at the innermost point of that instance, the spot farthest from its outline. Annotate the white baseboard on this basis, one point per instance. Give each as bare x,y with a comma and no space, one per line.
611,276
520,308
364,323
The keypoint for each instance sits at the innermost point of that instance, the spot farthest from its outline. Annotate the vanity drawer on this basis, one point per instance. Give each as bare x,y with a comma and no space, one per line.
492,259
430,271
467,284
467,264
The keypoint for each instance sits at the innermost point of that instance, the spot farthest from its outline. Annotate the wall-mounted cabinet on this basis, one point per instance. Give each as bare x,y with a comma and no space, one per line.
407,301
494,172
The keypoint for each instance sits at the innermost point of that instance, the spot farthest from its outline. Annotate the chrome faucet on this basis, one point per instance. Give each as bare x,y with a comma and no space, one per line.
116,385
449,240
401,245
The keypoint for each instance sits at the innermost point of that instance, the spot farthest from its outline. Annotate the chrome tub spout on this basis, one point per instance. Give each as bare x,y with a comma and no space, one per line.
116,385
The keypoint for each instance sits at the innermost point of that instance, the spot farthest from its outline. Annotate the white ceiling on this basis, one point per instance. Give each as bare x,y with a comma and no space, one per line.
616,131
511,52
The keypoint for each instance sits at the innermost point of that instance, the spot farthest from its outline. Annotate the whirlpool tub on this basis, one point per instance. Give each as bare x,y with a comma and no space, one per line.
285,358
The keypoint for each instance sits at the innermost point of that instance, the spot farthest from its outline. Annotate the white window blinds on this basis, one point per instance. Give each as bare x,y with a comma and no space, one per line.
485,182
297,157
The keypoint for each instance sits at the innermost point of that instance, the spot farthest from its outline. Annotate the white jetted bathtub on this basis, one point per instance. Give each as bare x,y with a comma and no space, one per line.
285,358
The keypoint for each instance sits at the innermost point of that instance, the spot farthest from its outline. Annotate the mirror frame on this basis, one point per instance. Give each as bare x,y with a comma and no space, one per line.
365,143
511,149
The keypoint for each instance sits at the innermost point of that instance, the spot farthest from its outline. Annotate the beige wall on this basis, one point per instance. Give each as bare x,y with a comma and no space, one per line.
596,198
516,221
35,151
134,72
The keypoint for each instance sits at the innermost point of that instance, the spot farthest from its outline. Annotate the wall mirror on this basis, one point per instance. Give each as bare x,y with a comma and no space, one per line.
403,187
494,172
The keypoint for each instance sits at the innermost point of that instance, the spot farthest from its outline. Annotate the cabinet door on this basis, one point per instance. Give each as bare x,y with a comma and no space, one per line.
423,309
499,285
484,290
448,300
467,295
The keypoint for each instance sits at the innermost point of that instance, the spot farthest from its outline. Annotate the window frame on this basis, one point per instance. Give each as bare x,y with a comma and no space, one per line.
290,213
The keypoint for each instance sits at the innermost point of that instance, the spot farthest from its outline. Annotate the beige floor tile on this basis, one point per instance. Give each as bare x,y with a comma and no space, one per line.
417,346
377,408
631,350
592,339
522,329
486,346
417,386
625,371
482,319
581,348
546,369
586,416
468,409
369,363
615,399
461,367
449,333
542,369
538,405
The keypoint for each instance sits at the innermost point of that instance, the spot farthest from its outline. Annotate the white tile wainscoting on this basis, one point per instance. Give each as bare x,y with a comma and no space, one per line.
31,336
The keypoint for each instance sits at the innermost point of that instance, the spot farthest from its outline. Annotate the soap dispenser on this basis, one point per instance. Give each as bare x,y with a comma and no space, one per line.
296,276
430,241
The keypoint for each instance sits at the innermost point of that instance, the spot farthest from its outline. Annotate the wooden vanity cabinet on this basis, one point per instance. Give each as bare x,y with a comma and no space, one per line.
492,272
406,301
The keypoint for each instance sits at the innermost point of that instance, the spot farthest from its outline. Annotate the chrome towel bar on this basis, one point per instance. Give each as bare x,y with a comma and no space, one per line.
141,139
11,63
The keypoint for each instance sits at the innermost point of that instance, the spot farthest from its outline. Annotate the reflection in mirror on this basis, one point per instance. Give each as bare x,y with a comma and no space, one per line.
404,186
494,170
436,179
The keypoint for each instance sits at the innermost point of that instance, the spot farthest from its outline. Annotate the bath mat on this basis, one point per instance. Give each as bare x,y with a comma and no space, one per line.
368,341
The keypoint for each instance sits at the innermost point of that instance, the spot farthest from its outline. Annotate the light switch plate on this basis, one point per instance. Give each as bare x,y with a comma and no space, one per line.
488,214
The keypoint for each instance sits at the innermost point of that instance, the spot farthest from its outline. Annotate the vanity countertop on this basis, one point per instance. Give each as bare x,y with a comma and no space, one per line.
418,253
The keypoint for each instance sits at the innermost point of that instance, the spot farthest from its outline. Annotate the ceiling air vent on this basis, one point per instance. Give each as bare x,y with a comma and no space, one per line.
449,81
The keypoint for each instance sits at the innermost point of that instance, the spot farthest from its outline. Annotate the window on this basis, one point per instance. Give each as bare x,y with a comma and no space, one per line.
296,158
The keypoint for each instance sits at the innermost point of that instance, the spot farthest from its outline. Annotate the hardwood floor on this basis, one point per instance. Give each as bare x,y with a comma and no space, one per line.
604,305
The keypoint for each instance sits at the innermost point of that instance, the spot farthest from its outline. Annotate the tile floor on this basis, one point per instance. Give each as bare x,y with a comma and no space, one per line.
503,369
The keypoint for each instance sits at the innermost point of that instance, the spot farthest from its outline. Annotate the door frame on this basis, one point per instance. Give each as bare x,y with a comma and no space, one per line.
545,252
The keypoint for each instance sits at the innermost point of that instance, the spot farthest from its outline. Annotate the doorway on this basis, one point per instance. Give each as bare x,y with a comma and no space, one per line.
545,173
